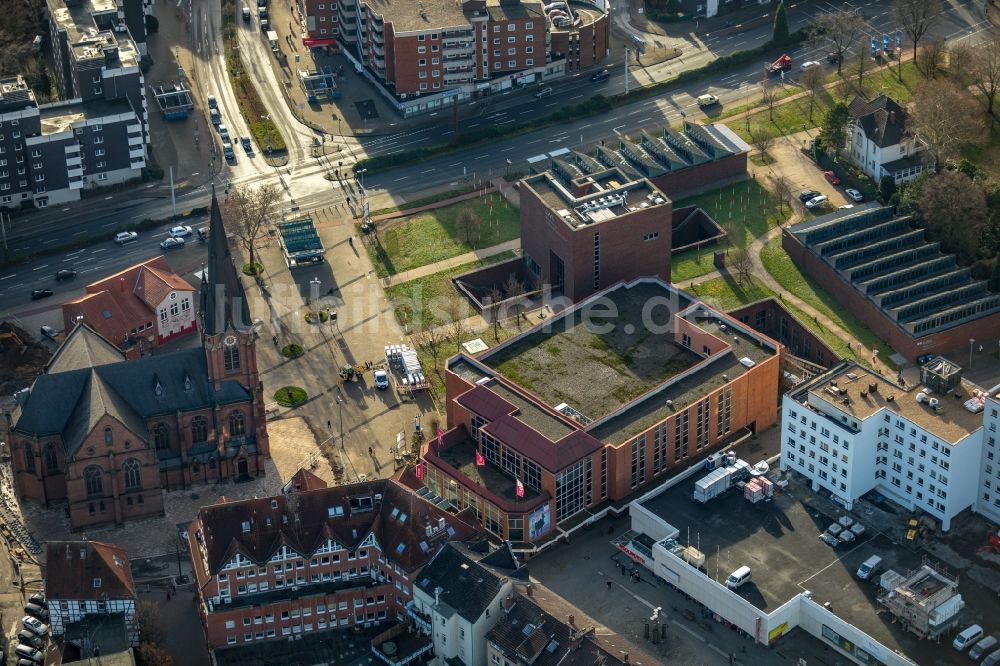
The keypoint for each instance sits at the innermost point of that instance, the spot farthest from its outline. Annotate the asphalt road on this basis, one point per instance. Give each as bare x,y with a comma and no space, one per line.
308,189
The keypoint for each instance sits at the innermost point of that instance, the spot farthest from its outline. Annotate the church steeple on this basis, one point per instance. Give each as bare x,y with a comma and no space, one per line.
224,306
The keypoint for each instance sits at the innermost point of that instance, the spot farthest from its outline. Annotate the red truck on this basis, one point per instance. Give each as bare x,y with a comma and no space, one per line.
784,63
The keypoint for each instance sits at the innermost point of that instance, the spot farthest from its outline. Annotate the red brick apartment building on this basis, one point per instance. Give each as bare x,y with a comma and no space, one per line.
315,558
425,53
138,308
577,416
106,435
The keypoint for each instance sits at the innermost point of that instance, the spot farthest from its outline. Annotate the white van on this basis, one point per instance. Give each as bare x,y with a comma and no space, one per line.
739,577
968,636
869,566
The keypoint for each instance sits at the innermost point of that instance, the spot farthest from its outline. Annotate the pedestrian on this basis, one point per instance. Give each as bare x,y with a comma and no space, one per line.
329,425
623,571
609,584
274,339
370,452
168,595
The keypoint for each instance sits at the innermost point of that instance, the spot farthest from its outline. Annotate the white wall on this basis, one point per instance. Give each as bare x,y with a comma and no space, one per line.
645,521
988,488
175,323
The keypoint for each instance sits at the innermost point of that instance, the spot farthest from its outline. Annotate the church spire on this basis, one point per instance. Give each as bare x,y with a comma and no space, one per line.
224,305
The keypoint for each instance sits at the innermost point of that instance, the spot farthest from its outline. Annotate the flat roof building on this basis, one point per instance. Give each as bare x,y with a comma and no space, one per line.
588,408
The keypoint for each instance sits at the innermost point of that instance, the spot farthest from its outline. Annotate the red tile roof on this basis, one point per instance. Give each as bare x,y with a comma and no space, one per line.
126,300
304,520
87,570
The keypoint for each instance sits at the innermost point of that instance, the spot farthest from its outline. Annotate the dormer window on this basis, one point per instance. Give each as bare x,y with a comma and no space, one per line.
108,439
187,382
97,583
246,526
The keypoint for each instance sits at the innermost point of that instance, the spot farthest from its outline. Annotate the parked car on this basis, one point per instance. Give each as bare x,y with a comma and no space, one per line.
29,653
992,659
180,231
707,100
246,13
831,177
834,58
925,358
215,117
212,102
172,243
984,646
123,237
227,150
224,132
602,75
854,195
37,294
817,202
34,625
544,92
39,599
64,274
262,13
49,332
807,65
806,195
34,610
247,146
381,379
25,637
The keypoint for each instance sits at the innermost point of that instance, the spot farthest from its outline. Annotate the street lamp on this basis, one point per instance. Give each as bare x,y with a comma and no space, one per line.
360,177
972,341
340,407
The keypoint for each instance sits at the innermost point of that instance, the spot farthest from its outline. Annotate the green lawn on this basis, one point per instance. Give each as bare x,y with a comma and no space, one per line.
792,116
424,238
788,275
725,293
423,201
747,205
425,302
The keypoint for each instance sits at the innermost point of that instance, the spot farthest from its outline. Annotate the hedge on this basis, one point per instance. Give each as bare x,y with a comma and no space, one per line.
595,105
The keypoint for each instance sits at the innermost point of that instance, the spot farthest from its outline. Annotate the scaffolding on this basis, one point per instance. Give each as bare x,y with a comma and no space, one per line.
925,601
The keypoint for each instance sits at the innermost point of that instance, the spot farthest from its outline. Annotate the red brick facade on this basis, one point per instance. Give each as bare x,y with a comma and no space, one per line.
769,317
685,182
985,331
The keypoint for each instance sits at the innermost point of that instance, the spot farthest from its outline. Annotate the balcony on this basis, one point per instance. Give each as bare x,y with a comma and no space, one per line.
379,51
137,153
397,646
451,64
462,77
301,591
459,43
422,620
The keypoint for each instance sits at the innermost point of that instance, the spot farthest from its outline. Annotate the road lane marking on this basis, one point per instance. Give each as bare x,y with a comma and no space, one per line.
103,249
399,179
428,171
506,121
525,112
479,157
38,268
455,164
577,96
7,277
504,150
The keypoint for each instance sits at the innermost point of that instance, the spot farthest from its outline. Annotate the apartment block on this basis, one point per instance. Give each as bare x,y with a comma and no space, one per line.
851,431
988,500
315,558
86,580
595,404
423,56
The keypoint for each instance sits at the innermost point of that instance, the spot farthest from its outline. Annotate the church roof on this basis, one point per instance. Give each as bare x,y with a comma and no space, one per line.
224,303
88,379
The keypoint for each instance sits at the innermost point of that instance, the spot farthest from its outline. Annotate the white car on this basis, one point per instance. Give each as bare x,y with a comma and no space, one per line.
224,132
854,195
381,379
817,202
172,243
807,65
707,100
123,237
180,232
35,625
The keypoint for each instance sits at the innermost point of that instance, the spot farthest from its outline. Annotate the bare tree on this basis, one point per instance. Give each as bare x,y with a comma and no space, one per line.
961,62
513,290
931,58
944,118
468,223
432,341
248,212
761,138
839,32
153,655
812,81
147,616
457,310
495,302
741,262
781,188
953,207
916,17
769,97
984,71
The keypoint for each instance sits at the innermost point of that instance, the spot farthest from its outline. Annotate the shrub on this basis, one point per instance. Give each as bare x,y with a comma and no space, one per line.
290,396
292,350
256,269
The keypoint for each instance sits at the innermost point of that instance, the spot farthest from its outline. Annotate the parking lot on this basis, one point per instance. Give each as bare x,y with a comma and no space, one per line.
779,541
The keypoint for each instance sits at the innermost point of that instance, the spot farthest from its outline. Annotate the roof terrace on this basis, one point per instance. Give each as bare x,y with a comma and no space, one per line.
596,197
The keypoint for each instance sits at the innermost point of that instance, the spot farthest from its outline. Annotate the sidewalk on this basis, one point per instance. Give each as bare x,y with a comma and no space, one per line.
406,212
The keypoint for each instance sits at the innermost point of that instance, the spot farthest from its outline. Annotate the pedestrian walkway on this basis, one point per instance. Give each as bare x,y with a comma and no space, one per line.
406,212
445,264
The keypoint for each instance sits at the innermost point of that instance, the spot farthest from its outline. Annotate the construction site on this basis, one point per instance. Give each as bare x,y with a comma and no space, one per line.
924,601
22,358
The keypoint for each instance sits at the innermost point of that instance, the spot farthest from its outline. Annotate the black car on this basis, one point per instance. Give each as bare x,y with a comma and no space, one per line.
39,598
40,293
602,75
834,58
806,195
25,637
65,274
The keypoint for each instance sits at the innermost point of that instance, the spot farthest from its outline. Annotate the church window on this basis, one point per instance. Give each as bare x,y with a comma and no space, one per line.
161,436
93,481
108,439
51,459
133,474
237,426
231,356
199,429
29,458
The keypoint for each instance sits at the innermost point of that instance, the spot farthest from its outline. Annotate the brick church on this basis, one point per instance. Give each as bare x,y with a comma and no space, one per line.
106,435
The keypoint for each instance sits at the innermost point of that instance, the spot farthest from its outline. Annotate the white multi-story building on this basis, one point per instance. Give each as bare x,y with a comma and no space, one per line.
988,500
88,578
462,594
850,431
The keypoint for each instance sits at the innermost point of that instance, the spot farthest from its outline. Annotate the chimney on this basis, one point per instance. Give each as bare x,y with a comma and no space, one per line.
437,596
529,589
572,621
625,658
508,602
